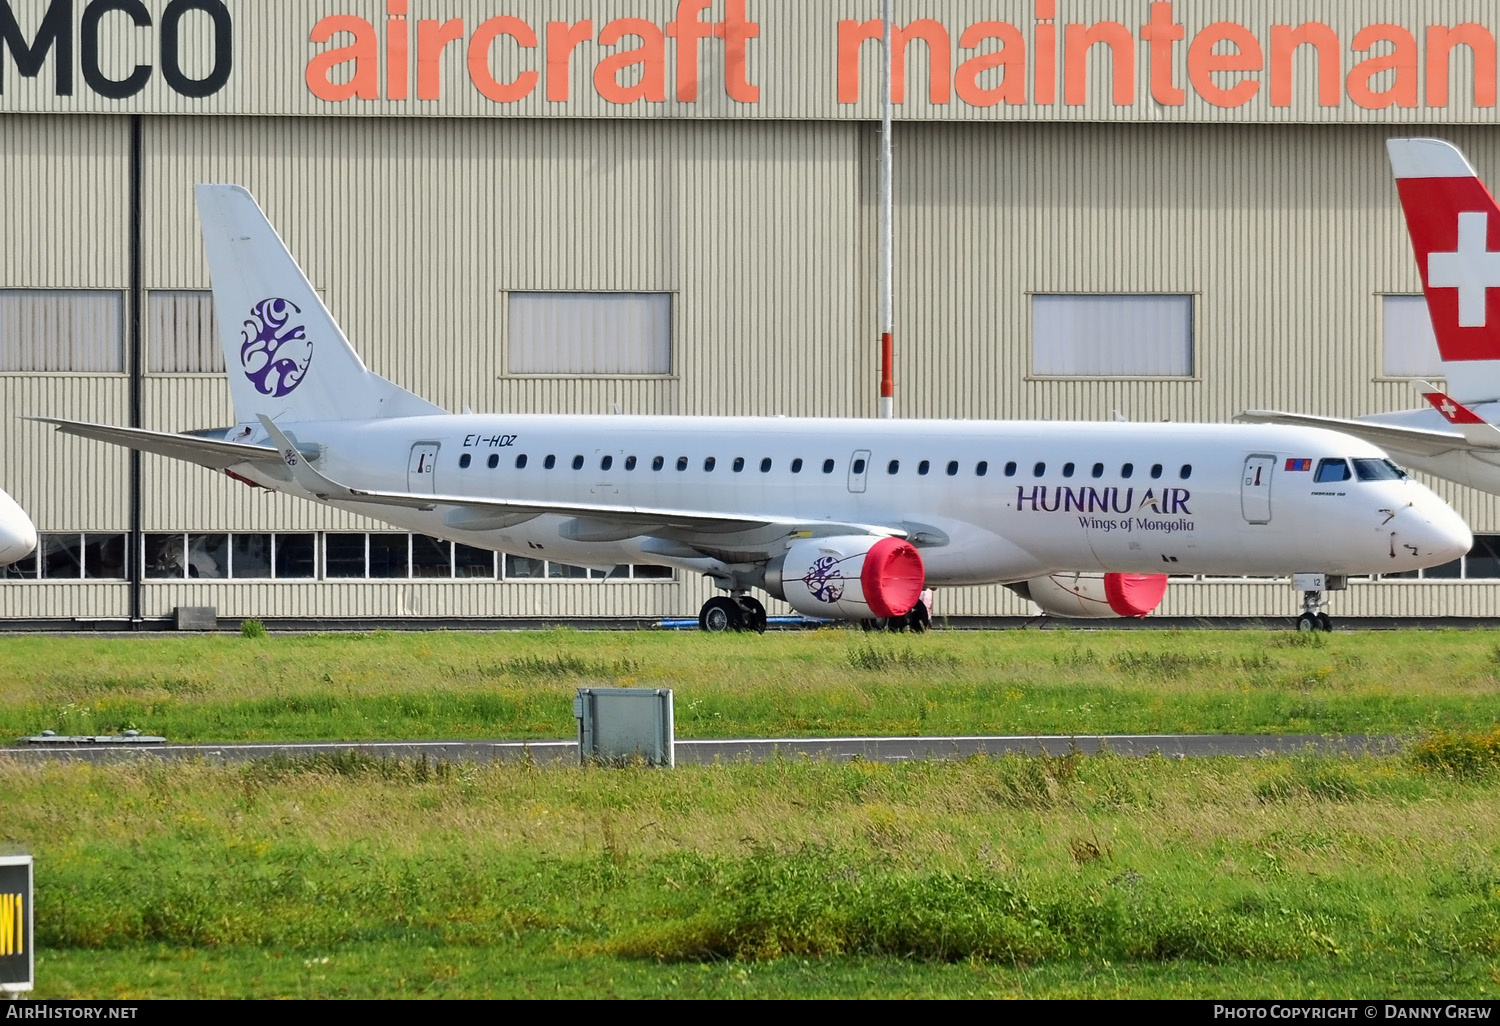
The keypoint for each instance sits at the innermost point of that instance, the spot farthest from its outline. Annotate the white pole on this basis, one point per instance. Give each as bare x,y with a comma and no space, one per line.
887,315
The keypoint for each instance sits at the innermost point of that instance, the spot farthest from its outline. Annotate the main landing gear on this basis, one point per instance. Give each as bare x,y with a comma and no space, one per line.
732,613
1312,587
916,621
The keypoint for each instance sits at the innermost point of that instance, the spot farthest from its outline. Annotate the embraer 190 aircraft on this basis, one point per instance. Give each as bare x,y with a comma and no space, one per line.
17,532
844,519
1454,225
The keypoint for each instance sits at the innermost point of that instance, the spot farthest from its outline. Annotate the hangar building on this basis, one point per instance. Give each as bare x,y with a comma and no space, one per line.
1169,210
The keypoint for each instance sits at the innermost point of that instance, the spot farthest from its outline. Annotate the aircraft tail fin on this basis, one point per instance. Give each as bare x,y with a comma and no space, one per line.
285,355
1454,225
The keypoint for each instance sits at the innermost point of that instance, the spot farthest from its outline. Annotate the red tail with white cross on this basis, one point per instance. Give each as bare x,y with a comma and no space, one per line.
1455,232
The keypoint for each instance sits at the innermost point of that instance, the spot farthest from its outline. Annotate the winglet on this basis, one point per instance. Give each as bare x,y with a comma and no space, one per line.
302,471
1475,429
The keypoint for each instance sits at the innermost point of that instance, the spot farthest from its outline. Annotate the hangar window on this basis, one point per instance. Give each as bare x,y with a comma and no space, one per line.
1408,348
1112,336
80,330
70,557
180,333
603,333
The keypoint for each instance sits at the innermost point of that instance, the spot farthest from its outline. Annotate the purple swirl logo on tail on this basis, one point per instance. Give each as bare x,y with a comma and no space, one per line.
274,354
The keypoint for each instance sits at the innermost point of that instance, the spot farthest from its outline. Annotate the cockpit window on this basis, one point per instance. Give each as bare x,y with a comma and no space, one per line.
1332,470
1377,470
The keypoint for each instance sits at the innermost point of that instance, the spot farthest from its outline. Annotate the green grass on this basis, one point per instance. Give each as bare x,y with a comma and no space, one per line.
454,685
1033,877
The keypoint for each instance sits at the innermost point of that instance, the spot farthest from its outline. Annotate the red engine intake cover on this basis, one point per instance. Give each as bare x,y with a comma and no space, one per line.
1134,594
893,576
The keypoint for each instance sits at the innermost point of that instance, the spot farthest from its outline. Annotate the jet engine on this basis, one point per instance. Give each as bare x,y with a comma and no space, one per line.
1095,595
852,577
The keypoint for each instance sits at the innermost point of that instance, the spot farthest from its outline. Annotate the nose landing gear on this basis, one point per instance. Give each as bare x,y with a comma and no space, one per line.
1312,587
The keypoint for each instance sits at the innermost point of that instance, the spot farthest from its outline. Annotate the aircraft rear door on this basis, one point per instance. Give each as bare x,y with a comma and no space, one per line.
859,466
1255,488
421,471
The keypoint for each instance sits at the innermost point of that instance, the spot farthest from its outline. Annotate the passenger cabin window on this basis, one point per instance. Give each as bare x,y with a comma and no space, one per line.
708,463
981,468
1155,471
682,463
859,466
1186,471
629,462
797,465
606,463
550,461
1377,470
1127,469
1010,468
1331,470
577,462
521,461
739,464
658,463
464,460
765,465
828,467
923,467
1097,471
953,468
893,466
494,460
1039,470
1067,470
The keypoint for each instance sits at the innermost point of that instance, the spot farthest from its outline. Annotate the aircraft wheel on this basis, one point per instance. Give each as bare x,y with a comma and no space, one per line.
1325,622
719,615
879,623
919,619
1307,622
754,614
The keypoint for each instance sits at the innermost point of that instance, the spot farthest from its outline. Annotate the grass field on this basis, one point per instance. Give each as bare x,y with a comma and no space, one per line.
454,685
1074,876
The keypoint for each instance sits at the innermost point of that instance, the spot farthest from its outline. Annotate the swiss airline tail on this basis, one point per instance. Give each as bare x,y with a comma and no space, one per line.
1455,232
285,355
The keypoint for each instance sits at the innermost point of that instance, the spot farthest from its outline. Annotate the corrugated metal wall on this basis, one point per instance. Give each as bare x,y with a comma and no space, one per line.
764,233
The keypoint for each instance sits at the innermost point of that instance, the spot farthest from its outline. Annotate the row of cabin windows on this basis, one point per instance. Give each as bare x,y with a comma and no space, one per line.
981,468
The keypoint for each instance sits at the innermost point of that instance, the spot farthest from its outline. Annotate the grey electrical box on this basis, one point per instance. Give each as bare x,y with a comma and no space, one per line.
618,725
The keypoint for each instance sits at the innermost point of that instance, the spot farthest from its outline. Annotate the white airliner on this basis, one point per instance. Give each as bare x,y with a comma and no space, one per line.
845,519
1454,225
17,532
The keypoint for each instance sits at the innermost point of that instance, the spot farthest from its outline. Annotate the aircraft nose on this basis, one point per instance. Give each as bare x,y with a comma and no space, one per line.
1436,533
17,539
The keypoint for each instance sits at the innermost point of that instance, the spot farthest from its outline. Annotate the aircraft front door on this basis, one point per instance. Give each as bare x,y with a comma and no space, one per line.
859,466
1255,488
421,473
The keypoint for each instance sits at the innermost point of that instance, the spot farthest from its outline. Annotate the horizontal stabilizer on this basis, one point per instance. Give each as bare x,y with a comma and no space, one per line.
1476,430
206,452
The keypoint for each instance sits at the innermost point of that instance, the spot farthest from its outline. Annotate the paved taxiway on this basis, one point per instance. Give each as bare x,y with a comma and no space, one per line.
698,752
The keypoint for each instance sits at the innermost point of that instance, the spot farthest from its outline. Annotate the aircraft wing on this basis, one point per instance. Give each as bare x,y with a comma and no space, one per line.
599,520
1388,436
206,452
